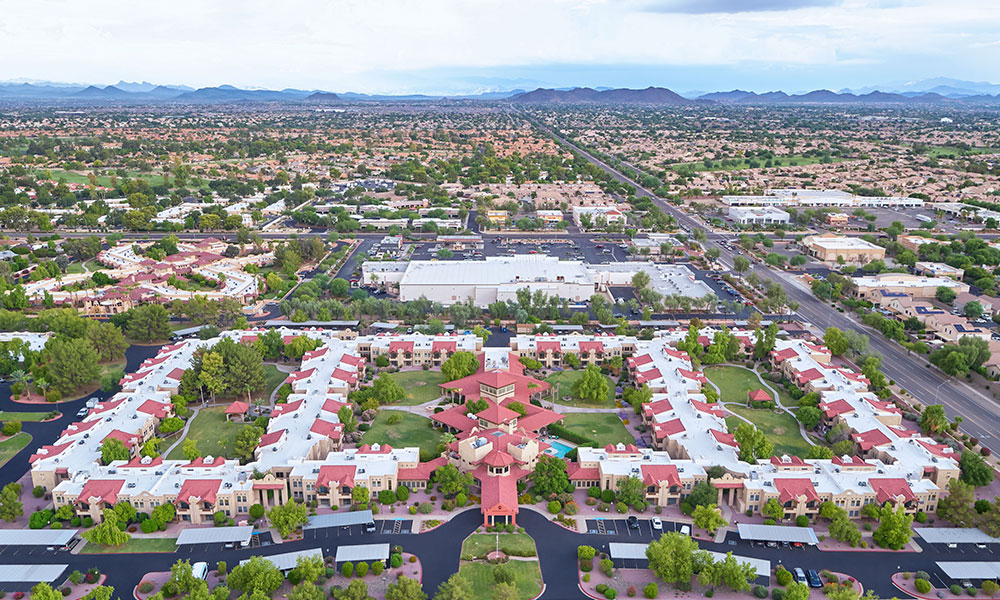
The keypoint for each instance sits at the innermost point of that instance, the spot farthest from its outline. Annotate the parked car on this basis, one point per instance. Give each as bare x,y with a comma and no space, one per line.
685,530
82,412
633,522
800,575
657,524
814,580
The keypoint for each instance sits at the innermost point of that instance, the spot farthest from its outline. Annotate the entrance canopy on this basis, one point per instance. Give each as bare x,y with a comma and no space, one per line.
777,533
215,535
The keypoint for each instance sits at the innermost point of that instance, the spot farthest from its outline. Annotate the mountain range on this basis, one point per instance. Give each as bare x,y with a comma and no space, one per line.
942,91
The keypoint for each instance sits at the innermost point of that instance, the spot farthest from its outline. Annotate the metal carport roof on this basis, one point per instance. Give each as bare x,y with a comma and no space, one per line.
30,573
954,535
777,533
339,519
215,535
763,567
288,560
627,551
36,537
362,552
970,570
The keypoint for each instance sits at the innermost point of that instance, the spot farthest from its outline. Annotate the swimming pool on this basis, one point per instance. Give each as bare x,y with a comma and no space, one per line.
558,449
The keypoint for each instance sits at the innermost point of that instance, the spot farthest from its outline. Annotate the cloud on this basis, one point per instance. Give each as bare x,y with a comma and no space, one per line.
699,7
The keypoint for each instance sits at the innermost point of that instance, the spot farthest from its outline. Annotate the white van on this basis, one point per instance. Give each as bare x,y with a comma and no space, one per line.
685,530
200,570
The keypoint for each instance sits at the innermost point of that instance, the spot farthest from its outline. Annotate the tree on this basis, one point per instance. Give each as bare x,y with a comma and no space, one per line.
113,449
505,591
288,517
11,506
933,419
107,340
957,506
703,494
346,416
672,557
189,448
356,590
256,575
460,364
107,532
753,444
549,476
149,322
894,528
741,264
387,390
592,386
975,471
455,587
163,513
630,490
640,280
451,481
973,309
945,294
246,441
809,416
212,373
773,509
405,589
72,363
797,591
44,591
708,518
729,572
845,530
835,341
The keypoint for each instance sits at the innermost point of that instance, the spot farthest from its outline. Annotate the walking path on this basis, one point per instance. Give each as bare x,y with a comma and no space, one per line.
184,432
774,396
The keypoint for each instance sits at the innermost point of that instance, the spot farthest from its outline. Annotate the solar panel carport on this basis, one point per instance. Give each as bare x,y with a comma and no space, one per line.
972,569
954,535
36,537
215,535
344,519
777,533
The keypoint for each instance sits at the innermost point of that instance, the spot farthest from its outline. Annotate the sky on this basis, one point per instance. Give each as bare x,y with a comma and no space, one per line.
470,46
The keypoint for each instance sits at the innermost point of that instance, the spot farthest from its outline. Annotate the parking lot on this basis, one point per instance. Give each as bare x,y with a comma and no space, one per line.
644,532
382,526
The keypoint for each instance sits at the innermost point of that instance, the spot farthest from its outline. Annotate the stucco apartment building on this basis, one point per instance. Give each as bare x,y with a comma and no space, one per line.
551,350
417,350
832,248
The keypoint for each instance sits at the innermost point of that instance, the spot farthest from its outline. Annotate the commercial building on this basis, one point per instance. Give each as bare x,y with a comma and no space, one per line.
914,242
933,269
550,218
593,216
801,197
832,248
879,288
757,215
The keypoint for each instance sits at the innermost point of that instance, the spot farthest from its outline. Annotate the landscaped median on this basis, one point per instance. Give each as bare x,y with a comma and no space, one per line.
515,564
918,585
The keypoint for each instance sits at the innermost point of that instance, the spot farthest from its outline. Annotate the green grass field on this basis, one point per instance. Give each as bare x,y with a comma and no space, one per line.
75,267
563,383
734,384
604,428
272,379
939,151
13,445
134,545
412,430
212,431
527,575
420,386
478,545
102,180
22,416
789,160
780,428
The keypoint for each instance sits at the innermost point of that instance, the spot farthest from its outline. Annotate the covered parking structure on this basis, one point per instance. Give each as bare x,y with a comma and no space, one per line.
340,519
969,570
363,553
216,535
777,533
31,573
36,537
955,535
633,556
285,562
761,566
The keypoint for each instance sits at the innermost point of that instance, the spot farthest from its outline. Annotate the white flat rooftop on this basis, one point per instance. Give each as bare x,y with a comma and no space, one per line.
215,535
36,537
954,535
362,552
31,573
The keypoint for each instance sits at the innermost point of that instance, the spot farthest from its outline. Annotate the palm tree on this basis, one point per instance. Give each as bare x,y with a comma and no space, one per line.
42,385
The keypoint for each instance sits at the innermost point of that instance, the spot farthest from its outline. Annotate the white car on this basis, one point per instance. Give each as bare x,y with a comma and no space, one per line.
657,524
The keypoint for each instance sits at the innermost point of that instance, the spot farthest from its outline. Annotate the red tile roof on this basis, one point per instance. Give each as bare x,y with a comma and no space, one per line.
783,355
578,473
326,428
342,475
549,346
271,438
870,439
444,346
668,428
422,472
795,488
176,374
158,409
101,490
838,407
400,346
142,462
206,462
494,413
759,395
591,346
499,493
810,375
788,461
129,439
237,408
891,488
497,458
722,437
369,449
848,461
49,451
657,475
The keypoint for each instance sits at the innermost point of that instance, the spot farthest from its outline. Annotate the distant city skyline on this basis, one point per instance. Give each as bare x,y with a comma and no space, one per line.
460,47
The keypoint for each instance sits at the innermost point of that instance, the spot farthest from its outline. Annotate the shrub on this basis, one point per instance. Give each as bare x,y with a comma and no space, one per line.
586,565
169,589
607,566
921,517
611,593
145,587
621,507
777,593
571,508
461,499
990,588
922,585
971,591
554,506
396,561
403,493
768,521
387,497
922,575
709,593
651,590
66,591
601,587
347,569
608,496
603,507
783,576
149,526
684,586
38,491
594,492
362,569
413,510
955,589
760,591
221,567
802,521
377,568
425,508
75,521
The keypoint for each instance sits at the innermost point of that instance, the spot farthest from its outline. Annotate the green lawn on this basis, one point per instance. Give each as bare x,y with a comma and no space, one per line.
734,384
781,429
272,378
134,545
413,430
92,265
420,386
10,447
604,428
939,151
104,180
478,545
788,160
563,381
75,267
527,575
212,431
22,416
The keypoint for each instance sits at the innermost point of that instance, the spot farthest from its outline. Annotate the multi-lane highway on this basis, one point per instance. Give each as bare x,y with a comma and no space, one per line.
928,385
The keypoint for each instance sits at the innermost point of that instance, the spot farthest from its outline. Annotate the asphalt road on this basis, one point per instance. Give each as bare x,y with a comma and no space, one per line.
981,414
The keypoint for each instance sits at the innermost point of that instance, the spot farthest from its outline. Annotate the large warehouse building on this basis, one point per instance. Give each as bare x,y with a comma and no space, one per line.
500,277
